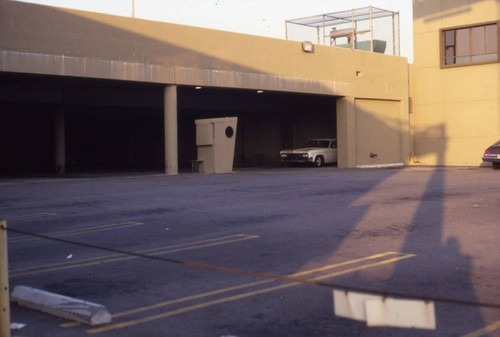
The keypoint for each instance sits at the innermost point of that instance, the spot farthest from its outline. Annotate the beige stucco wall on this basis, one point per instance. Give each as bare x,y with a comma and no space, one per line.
54,41
456,111
41,39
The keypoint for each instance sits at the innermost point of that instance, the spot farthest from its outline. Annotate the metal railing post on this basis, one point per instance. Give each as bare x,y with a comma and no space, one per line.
353,27
371,29
393,36
4,283
324,32
399,37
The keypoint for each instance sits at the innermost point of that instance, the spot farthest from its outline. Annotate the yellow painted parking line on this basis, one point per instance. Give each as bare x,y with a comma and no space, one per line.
79,231
150,251
490,328
229,289
27,216
176,301
246,294
181,247
32,270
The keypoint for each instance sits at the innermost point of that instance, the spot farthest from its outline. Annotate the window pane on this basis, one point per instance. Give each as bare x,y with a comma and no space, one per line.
462,60
463,47
491,39
449,52
478,46
449,61
485,57
449,38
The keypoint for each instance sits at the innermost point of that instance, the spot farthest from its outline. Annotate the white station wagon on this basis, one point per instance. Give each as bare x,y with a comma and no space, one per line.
317,151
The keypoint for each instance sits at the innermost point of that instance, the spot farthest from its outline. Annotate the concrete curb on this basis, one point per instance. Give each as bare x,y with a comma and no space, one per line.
394,165
61,306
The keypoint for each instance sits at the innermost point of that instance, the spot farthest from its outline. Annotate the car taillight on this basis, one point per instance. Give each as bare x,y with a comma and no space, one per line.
486,153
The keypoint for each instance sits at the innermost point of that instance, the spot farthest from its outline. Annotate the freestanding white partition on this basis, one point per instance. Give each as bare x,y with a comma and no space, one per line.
215,139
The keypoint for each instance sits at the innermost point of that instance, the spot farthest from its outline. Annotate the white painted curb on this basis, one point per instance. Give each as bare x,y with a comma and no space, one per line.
396,165
61,306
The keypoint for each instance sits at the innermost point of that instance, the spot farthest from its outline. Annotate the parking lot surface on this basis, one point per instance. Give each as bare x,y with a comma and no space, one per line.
224,250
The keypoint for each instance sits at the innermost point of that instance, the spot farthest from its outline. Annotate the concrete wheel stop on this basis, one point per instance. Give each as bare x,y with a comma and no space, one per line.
61,306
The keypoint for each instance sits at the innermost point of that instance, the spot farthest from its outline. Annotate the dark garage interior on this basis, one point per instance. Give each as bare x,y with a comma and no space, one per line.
114,138
118,126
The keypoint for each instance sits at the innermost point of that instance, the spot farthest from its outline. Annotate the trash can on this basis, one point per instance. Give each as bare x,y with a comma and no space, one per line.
215,139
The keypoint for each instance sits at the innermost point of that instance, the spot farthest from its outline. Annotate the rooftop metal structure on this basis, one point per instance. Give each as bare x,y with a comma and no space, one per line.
352,20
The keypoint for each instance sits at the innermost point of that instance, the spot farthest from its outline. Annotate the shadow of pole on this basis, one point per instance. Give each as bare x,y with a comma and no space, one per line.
442,269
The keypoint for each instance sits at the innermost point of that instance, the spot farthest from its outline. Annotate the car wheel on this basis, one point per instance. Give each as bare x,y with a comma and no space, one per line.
496,166
319,161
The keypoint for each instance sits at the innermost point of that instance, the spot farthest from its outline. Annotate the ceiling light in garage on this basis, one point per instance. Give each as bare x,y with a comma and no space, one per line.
198,88
260,91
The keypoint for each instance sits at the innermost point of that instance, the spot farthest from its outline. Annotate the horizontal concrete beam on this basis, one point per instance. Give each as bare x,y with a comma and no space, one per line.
87,67
61,306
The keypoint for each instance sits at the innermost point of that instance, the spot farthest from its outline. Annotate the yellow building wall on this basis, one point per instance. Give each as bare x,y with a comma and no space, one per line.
57,41
455,111
45,40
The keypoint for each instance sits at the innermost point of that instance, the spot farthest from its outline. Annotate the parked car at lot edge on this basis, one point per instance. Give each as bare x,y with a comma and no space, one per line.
492,155
317,152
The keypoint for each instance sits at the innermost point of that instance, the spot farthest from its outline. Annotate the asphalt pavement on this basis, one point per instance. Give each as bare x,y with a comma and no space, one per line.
257,252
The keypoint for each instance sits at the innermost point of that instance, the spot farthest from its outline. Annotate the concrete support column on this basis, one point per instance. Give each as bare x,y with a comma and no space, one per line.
346,132
170,127
59,141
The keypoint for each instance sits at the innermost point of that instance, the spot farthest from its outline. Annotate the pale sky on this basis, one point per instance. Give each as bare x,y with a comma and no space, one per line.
255,17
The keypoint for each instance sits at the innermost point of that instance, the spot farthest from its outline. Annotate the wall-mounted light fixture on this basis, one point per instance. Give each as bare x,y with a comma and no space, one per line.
307,47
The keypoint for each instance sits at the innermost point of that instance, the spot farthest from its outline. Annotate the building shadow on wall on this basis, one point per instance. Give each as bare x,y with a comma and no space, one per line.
426,9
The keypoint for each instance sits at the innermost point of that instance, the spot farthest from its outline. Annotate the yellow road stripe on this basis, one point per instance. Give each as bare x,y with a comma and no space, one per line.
238,297
145,251
483,331
372,257
119,257
176,301
229,289
79,231
35,215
